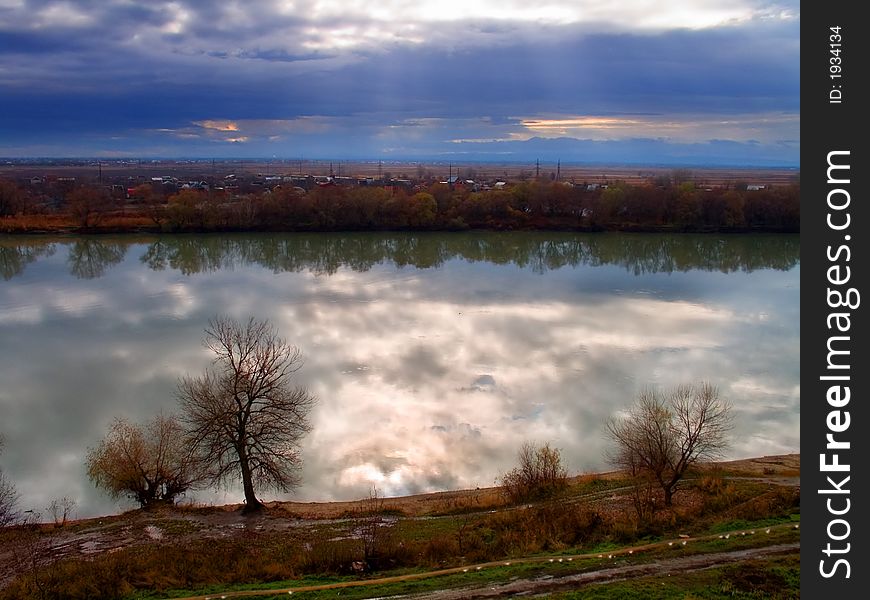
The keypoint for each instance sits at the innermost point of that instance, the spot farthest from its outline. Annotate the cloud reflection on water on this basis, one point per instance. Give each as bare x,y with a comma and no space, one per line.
433,357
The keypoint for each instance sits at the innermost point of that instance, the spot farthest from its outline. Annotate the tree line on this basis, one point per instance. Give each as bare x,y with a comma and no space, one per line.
539,204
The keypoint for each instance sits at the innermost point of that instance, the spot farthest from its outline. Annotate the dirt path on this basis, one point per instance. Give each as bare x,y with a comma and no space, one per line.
543,584
570,582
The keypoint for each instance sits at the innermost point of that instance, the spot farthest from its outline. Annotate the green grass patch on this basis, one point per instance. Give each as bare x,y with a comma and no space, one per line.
772,579
793,518
519,569
309,580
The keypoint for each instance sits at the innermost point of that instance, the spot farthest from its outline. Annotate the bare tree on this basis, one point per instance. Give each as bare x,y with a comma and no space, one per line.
8,501
61,510
8,498
663,435
372,528
244,418
149,464
87,205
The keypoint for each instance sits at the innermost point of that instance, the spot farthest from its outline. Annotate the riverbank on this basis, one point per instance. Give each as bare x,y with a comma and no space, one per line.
66,225
173,552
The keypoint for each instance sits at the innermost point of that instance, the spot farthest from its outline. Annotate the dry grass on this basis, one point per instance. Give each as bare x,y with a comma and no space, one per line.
420,505
206,546
36,223
63,223
782,465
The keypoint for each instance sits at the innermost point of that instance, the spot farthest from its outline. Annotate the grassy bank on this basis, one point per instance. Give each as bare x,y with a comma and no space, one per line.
182,552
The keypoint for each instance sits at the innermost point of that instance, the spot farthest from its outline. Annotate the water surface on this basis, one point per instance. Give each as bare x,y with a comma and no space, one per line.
433,356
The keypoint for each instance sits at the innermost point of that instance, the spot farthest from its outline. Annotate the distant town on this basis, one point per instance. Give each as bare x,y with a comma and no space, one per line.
323,195
267,174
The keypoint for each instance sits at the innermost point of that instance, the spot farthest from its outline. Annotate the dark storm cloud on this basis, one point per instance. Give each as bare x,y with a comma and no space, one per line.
601,74
16,43
125,76
269,55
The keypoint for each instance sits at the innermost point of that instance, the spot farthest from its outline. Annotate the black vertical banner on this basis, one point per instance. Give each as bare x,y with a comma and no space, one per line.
835,222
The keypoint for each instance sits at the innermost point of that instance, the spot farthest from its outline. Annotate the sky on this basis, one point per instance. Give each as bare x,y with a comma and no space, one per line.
636,81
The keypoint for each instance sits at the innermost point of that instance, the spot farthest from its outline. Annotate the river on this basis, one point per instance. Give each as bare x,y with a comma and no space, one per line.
433,356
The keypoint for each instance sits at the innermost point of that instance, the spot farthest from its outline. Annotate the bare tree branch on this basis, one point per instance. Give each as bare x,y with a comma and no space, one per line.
8,498
243,418
664,435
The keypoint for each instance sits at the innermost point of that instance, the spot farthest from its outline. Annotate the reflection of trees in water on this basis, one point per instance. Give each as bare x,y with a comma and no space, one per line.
194,254
89,258
668,253
541,252
318,253
326,253
15,257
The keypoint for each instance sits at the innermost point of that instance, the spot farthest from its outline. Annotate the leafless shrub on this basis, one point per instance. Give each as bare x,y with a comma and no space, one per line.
61,510
32,555
373,529
8,498
539,475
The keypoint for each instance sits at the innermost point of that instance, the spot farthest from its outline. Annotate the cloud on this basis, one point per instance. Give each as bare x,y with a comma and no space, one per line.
218,125
273,30
91,76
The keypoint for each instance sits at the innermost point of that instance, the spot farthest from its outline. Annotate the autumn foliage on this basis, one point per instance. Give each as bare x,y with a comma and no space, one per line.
539,474
540,204
147,463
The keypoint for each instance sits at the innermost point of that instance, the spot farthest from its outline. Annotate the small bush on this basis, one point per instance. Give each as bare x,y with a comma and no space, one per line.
539,475
711,484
